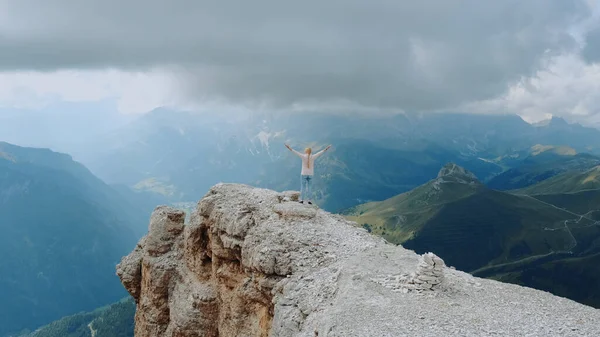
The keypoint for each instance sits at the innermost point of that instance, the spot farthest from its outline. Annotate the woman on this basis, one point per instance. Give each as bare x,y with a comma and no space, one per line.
308,170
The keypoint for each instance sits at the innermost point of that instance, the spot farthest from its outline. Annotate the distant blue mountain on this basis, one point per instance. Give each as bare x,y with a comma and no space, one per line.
63,231
180,155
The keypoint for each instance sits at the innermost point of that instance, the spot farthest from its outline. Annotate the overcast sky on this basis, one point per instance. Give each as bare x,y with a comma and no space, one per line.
530,57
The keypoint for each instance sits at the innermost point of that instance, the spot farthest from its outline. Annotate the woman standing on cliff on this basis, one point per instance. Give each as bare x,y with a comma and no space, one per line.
308,170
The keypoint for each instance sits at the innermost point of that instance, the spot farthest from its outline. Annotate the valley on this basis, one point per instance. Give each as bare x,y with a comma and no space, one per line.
495,205
179,155
63,231
147,187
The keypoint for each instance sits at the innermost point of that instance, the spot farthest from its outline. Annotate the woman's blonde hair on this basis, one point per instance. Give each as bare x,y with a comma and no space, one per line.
308,151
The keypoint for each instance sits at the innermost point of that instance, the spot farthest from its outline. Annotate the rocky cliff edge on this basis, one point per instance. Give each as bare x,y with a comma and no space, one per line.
253,262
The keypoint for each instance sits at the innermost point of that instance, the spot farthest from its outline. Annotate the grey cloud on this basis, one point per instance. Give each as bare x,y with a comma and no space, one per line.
402,54
591,52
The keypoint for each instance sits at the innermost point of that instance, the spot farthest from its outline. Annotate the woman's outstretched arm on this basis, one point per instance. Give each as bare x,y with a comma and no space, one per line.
294,151
318,154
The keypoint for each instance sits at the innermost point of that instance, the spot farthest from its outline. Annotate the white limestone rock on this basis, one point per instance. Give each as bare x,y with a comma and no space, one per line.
259,265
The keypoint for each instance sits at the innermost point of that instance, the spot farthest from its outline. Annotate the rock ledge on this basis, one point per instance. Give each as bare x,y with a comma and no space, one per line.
253,262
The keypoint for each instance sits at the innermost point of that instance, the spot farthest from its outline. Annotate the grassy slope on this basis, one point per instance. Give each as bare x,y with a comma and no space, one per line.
586,203
398,218
575,275
543,162
513,238
567,182
576,278
498,226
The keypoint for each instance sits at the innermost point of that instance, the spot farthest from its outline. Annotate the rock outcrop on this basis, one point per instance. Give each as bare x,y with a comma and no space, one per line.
253,262
454,173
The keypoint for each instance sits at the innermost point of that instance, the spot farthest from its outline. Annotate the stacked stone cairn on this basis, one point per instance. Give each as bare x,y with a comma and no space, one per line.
429,276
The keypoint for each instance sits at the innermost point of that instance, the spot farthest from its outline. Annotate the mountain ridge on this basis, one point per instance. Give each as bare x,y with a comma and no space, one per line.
57,220
540,163
182,154
567,182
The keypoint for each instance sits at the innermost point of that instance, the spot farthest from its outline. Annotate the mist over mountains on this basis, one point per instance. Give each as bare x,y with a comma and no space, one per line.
63,230
513,191
453,129
179,155
63,127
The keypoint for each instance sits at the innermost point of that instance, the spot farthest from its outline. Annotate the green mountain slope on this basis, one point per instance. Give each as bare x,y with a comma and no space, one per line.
515,238
567,182
541,163
400,217
575,275
576,278
63,231
116,320
585,203
455,211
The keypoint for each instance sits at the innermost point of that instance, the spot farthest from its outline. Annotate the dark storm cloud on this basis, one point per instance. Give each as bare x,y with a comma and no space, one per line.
404,54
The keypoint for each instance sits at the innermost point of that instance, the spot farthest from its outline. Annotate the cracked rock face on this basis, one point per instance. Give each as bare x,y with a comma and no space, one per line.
254,262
